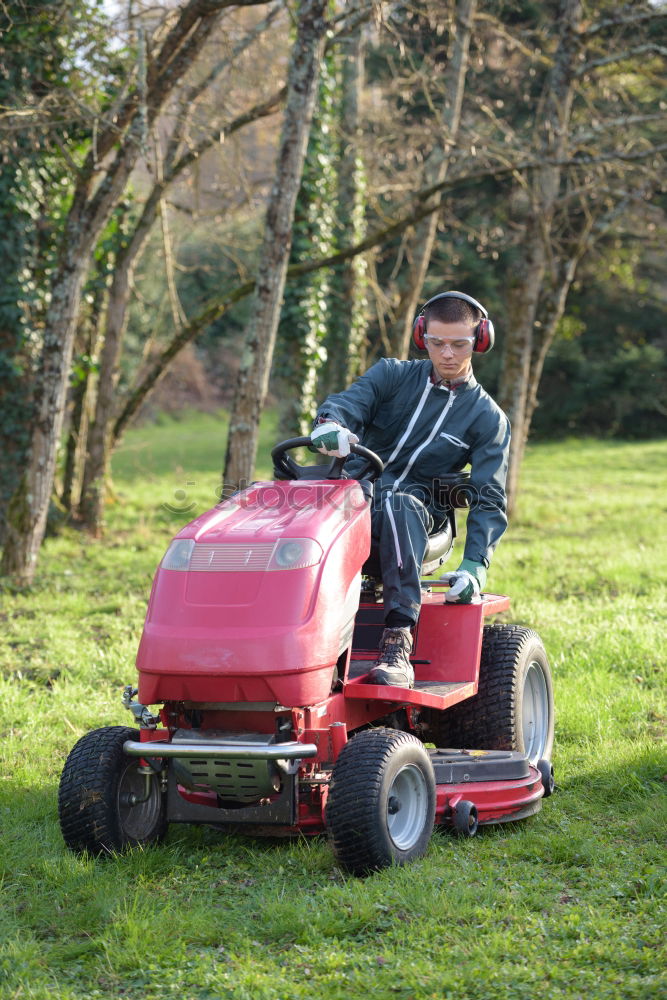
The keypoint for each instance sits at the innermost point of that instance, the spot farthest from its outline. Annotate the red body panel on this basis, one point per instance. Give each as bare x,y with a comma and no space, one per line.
447,648
259,636
450,637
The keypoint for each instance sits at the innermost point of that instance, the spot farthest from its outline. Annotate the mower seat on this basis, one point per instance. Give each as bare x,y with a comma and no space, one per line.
439,547
449,492
438,550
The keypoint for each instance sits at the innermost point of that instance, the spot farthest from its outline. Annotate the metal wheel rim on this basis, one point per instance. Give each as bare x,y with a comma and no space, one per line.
137,822
410,793
535,712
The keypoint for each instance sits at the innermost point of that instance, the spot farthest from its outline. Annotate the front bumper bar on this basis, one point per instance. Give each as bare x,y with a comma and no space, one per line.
224,751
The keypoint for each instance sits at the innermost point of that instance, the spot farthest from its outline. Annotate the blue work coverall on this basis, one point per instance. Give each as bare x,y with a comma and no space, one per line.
420,430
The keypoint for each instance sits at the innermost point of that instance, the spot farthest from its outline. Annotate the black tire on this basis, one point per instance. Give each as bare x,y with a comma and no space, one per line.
94,806
465,819
381,805
514,706
546,769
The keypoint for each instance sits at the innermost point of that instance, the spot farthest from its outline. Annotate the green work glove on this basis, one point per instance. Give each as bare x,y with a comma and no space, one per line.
331,438
466,583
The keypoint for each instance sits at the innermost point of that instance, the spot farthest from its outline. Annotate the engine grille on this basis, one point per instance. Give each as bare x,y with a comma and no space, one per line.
232,558
234,780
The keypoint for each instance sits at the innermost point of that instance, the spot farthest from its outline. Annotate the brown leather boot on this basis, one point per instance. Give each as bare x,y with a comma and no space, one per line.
393,663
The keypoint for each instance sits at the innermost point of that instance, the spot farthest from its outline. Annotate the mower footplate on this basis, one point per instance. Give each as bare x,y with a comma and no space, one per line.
428,694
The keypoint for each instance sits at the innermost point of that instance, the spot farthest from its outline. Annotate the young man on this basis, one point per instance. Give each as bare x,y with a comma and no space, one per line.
424,418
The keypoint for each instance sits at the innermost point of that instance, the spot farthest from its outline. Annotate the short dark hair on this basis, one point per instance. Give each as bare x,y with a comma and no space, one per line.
452,311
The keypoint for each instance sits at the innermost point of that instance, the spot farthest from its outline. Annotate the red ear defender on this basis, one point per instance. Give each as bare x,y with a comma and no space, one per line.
484,333
485,336
418,330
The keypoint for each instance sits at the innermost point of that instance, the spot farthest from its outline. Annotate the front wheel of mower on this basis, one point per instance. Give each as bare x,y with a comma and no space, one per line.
465,819
514,705
546,769
381,805
105,803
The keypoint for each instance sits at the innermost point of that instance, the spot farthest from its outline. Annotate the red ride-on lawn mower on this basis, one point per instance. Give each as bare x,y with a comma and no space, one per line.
261,628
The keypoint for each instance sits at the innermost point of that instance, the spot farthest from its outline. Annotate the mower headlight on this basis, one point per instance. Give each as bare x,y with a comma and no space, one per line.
178,554
295,553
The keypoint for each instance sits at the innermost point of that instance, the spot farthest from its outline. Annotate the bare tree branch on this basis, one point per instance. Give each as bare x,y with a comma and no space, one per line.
617,57
215,309
623,18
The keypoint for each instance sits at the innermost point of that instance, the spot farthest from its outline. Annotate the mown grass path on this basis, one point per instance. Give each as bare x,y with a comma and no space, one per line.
568,904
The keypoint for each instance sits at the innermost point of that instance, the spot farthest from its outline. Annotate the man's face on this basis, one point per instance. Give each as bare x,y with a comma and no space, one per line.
450,350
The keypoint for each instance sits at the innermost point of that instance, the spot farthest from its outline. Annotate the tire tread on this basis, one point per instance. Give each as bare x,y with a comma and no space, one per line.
488,721
86,806
356,783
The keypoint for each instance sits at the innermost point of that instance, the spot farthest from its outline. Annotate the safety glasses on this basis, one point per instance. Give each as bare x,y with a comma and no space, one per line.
462,345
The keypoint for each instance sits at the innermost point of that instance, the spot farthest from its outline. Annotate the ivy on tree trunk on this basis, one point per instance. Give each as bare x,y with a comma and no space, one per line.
300,347
347,314
96,193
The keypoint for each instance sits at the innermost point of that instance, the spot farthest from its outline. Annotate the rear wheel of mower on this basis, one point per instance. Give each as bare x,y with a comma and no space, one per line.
381,805
514,706
99,796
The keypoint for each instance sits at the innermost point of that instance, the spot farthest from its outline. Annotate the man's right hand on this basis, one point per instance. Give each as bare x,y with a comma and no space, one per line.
333,439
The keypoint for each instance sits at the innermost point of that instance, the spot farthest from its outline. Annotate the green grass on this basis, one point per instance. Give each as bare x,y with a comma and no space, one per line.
567,904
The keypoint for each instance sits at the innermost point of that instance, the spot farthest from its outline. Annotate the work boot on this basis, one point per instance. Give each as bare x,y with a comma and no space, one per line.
393,663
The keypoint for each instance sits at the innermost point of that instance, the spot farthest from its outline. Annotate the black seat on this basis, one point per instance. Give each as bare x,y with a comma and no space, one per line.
450,492
439,547
438,550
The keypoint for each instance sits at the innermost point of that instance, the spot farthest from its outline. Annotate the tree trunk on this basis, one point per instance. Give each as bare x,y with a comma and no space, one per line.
100,437
90,209
76,441
524,293
420,245
551,313
99,434
258,353
552,306
305,313
83,394
26,521
28,508
347,307
522,299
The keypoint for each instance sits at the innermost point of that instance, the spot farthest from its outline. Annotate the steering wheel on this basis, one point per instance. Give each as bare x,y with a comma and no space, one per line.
371,471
